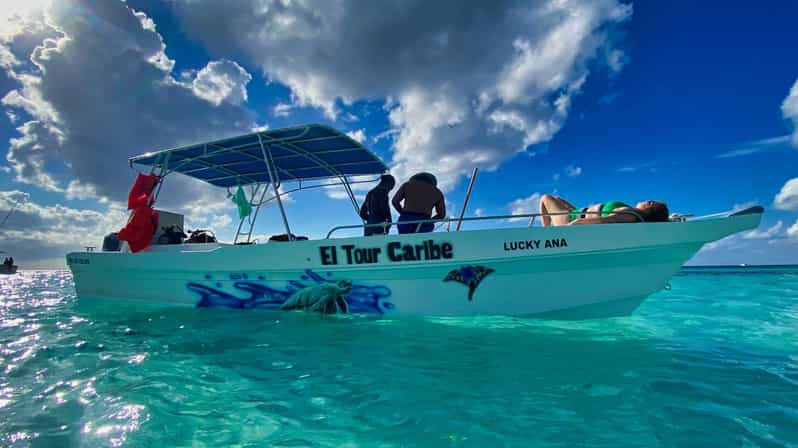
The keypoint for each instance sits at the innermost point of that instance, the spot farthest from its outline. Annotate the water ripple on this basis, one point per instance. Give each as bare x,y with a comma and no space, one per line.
710,363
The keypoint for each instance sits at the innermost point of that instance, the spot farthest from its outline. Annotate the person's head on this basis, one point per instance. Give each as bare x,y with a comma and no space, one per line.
652,211
387,182
425,177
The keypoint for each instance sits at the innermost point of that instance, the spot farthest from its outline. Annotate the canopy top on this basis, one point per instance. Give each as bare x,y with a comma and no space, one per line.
298,153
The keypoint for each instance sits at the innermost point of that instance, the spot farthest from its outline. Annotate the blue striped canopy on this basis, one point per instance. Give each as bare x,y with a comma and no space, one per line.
298,153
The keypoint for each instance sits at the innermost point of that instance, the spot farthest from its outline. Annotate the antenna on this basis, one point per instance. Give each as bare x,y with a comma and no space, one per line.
14,207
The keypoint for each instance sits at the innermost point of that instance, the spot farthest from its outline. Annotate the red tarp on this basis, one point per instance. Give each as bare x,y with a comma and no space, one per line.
143,222
141,190
140,228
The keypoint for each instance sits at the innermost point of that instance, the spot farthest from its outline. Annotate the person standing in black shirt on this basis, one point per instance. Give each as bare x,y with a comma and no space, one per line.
376,208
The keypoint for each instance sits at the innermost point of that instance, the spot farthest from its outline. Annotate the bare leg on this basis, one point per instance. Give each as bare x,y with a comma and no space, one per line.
551,204
567,204
546,219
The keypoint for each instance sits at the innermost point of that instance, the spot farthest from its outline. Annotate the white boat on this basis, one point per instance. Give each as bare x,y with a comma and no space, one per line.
572,271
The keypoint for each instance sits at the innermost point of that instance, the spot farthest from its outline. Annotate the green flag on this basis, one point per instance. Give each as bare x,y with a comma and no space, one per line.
240,200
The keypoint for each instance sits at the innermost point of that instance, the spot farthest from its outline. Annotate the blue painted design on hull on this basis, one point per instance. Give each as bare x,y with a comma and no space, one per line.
372,299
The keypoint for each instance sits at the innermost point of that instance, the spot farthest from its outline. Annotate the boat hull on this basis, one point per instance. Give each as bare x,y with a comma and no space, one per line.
8,270
560,272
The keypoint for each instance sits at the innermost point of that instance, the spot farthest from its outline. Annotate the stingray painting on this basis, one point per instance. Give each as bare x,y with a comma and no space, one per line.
470,276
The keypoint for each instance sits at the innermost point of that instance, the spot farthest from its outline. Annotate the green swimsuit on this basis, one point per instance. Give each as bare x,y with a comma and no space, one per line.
606,209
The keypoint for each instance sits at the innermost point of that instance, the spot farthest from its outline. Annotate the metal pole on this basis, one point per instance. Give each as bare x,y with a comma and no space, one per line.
249,218
255,215
351,194
164,171
275,186
467,197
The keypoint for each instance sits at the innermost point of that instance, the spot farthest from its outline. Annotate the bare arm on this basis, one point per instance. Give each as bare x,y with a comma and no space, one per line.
384,208
440,209
610,219
397,199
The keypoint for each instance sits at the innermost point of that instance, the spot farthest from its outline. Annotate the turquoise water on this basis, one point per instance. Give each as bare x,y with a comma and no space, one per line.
712,362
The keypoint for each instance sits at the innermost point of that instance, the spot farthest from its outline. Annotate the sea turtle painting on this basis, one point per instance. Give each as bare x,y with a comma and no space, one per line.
469,275
327,298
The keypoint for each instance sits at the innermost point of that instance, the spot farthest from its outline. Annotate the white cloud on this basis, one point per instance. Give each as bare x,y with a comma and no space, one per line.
221,81
35,231
96,87
78,190
358,135
739,152
734,250
638,167
792,231
13,13
773,231
479,212
361,186
775,234
220,221
771,244
77,127
29,153
573,170
789,109
389,134
724,243
463,89
570,171
787,198
282,110
758,146
337,193
616,60
525,206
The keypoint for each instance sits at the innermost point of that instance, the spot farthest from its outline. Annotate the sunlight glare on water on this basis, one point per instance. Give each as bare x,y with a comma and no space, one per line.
712,362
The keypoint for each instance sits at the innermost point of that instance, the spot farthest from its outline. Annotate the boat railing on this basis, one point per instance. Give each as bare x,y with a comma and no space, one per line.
522,216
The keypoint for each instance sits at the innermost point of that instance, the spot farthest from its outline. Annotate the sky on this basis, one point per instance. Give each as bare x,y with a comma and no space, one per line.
692,103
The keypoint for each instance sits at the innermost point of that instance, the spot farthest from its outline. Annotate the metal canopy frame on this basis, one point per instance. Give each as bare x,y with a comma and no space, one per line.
307,152
235,163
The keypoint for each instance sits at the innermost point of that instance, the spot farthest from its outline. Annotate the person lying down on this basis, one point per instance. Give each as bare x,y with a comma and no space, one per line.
556,211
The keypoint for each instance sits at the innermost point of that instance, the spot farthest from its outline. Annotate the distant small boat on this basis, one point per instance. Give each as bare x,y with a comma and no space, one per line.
8,267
